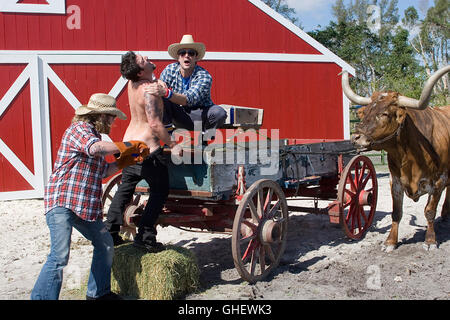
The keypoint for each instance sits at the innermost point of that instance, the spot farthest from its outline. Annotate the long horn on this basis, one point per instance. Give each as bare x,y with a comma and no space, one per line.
426,92
349,92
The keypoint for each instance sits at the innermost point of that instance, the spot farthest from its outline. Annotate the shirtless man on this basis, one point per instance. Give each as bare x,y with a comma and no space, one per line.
145,125
186,90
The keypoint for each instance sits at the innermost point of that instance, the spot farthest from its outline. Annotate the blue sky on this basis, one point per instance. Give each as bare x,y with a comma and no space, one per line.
318,12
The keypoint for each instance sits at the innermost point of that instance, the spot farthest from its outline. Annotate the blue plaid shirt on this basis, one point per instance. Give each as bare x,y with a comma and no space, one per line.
199,90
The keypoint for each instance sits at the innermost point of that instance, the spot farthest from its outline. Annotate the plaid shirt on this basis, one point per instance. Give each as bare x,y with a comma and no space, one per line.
199,92
76,180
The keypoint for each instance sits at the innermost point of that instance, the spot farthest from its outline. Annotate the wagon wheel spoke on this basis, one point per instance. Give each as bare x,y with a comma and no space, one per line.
254,212
250,249
363,214
281,219
247,238
350,213
253,263
354,220
260,200
251,225
352,196
361,176
262,258
268,200
358,217
364,183
273,210
270,253
352,183
354,216
355,178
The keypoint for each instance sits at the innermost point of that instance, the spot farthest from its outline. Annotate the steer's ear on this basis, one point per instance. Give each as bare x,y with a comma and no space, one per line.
400,115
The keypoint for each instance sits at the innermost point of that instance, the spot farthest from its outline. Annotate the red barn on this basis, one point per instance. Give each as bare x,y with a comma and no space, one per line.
54,54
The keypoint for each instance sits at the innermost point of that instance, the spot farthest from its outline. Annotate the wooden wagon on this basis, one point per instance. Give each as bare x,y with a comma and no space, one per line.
249,199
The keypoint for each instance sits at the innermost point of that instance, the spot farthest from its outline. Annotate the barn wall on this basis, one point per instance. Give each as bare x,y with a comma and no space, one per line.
151,25
297,110
48,70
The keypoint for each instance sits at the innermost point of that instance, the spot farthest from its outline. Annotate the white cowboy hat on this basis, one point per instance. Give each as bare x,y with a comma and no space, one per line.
187,42
101,103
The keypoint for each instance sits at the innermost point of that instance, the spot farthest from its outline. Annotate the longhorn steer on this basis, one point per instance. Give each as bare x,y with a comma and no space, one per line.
416,138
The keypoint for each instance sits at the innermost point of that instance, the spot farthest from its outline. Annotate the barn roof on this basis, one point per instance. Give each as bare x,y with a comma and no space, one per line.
303,35
230,29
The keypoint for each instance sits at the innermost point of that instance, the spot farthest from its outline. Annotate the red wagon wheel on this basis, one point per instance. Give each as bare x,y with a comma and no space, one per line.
259,230
109,190
357,195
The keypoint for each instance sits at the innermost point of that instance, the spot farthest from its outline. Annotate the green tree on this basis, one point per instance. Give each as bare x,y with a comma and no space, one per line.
283,8
355,44
402,71
371,40
431,43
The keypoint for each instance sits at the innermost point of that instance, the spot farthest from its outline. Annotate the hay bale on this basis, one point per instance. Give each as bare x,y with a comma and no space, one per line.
164,275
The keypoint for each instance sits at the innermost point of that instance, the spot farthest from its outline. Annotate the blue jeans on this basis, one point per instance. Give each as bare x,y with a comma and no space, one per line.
60,222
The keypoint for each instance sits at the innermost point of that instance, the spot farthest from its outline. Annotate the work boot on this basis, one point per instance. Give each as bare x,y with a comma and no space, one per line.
117,238
114,230
149,246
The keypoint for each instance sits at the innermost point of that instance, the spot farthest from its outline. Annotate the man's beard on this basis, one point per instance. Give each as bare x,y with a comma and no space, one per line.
102,127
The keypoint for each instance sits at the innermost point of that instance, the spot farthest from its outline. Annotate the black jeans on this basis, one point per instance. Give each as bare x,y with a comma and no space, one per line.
212,117
154,171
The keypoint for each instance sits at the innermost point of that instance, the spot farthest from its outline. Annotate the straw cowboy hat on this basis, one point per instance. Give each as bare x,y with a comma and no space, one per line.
187,42
101,103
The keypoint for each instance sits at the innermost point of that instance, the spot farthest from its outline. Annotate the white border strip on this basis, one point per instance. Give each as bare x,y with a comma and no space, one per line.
53,7
61,87
45,118
346,112
36,124
19,195
256,56
18,165
118,87
60,57
14,89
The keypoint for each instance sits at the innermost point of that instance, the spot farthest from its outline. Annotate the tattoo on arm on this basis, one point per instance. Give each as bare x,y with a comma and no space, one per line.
98,150
152,109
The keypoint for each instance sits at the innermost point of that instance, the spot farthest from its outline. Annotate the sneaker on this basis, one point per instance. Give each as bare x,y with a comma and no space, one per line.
109,296
152,247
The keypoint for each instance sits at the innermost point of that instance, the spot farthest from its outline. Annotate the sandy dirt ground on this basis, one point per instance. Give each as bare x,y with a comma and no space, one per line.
319,261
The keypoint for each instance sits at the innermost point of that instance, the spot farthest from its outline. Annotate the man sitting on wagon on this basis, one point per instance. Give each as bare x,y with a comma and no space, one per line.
186,90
